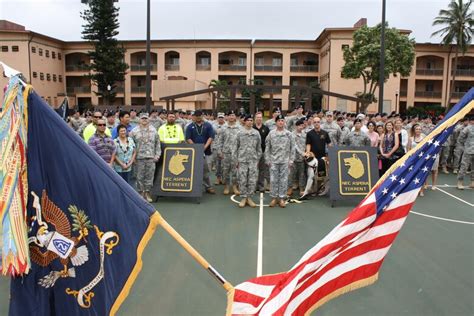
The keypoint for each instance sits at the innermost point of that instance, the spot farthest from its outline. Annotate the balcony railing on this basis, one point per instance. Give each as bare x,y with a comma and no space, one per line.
429,72
203,67
268,68
172,67
458,95
83,89
304,68
232,67
77,67
464,72
142,67
403,93
138,89
428,94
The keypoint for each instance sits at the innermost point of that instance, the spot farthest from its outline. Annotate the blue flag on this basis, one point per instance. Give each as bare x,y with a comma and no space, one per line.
86,226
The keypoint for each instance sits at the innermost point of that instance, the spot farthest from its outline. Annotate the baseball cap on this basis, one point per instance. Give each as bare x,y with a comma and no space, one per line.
220,114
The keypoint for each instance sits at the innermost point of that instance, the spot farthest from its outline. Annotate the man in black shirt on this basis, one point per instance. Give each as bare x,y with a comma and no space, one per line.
263,172
317,141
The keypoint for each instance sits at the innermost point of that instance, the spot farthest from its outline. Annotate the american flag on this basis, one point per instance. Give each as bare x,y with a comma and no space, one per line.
350,256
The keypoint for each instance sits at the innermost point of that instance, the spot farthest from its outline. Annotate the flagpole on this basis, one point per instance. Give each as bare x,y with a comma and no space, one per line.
196,255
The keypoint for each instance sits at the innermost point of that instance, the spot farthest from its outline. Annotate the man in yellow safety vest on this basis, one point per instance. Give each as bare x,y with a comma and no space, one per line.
171,133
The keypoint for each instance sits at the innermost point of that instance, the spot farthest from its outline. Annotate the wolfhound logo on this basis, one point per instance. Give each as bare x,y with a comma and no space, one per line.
356,167
176,164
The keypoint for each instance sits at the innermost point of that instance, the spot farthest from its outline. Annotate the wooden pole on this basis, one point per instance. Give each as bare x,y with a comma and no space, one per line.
196,255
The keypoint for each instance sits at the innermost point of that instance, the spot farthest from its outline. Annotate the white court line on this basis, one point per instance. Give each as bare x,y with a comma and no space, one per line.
442,218
454,196
260,238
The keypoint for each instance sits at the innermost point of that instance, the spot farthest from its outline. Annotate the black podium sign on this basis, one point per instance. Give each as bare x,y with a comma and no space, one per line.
353,171
181,171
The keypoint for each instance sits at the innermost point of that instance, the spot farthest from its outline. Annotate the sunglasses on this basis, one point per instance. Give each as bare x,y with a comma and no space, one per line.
97,117
100,124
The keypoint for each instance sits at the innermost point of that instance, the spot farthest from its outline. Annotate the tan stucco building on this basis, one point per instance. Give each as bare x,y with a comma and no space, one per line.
56,68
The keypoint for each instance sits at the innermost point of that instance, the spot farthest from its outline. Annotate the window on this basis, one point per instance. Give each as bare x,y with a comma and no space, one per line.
15,49
59,56
53,55
35,74
48,77
259,61
41,76
294,61
429,87
428,65
60,78
242,61
276,62
174,60
33,49
54,78
204,61
40,52
344,47
4,49
47,53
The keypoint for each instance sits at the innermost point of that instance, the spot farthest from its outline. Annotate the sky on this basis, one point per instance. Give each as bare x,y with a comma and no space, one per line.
227,19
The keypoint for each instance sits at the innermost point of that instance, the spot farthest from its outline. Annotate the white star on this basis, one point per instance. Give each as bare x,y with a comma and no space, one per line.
434,157
393,177
430,141
421,154
425,169
416,180
402,181
402,165
411,168
436,143
393,195
427,157
384,191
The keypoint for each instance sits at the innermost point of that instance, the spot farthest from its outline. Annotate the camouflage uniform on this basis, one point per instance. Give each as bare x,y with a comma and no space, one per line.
427,128
334,132
291,121
182,122
218,162
466,138
247,152
458,147
357,139
298,170
227,139
344,132
148,147
446,152
279,153
271,124
76,124
156,122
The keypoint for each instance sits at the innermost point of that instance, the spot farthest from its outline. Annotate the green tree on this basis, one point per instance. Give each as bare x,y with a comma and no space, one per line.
458,25
247,92
362,60
222,95
107,59
316,97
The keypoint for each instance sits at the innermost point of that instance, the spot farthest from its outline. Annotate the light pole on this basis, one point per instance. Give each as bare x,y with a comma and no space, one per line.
148,57
382,59
396,101
108,94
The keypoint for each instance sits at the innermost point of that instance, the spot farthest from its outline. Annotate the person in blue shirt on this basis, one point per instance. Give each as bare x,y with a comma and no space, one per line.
201,132
124,118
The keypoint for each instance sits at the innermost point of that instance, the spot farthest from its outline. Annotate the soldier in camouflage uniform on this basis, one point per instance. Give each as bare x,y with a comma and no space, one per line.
291,121
357,138
458,148
279,155
155,120
466,138
148,153
227,139
218,127
427,126
247,152
271,123
344,129
298,170
180,120
134,119
332,129
445,154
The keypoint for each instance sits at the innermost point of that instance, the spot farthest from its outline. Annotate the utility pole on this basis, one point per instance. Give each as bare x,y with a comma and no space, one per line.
382,59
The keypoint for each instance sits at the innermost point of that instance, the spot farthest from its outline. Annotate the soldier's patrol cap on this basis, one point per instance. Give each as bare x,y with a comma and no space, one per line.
248,117
144,114
279,117
329,113
220,114
231,112
299,122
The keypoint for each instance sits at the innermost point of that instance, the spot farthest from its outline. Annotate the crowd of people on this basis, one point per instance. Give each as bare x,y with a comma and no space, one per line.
283,155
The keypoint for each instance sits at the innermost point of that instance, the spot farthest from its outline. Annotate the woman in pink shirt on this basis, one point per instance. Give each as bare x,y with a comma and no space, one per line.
373,135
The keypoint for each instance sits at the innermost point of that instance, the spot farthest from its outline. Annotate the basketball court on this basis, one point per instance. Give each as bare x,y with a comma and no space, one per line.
428,271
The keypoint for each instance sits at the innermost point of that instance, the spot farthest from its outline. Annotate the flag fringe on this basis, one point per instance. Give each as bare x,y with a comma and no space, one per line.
343,290
155,220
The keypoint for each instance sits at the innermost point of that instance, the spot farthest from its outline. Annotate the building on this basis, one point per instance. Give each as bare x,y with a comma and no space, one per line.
58,68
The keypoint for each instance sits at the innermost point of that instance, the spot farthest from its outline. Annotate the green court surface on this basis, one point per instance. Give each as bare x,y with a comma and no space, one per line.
428,271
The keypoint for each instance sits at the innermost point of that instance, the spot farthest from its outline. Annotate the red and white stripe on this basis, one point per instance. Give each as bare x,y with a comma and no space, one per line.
353,251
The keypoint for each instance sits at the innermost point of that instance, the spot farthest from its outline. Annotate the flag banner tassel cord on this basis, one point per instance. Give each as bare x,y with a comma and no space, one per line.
196,255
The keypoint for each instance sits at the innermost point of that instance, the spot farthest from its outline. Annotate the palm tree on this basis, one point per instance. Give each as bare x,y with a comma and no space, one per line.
458,25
